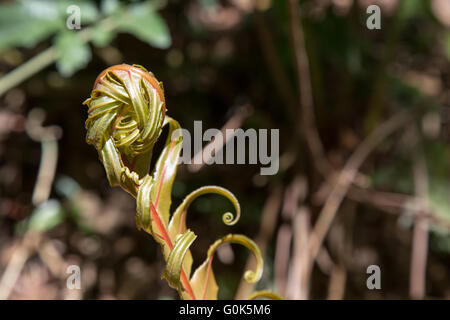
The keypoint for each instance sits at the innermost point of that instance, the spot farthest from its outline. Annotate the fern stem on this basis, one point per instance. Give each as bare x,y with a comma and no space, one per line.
28,69
167,240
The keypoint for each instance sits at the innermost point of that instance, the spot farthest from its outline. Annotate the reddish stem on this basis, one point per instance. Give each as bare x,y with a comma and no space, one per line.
166,238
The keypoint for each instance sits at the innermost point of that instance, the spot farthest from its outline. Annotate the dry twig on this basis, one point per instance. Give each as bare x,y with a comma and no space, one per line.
347,176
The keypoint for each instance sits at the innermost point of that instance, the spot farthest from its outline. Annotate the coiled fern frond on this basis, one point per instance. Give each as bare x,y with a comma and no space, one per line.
126,114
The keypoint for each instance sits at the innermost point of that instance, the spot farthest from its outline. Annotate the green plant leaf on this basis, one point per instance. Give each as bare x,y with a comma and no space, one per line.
143,200
28,22
102,35
166,170
142,21
22,24
203,281
109,7
112,162
438,197
407,10
176,258
67,186
157,189
264,294
73,53
177,223
46,216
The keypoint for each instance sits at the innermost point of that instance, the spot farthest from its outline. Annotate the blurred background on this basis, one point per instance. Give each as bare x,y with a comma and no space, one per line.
363,116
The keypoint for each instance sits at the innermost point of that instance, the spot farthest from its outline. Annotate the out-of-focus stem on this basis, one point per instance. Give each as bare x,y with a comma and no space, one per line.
16,263
421,224
235,122
47,169
48,137
266,231
346,178
299,273
28,69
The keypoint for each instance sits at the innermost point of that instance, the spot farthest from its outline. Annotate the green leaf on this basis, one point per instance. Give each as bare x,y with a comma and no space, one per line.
176,258
166,170
102,35
438,197
67,186
203,282
28,22
208,3
109,7
142,21
264,294
143,199
407,10
112,162
46,216
73,53
88,9
157,189
177,223
23,24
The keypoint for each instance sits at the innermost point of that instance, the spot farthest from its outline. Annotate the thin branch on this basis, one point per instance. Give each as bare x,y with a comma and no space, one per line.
417,280
269,218
338,279
28,69
306,102
340,241
281,259
294,194
15,265
396,203
299,276
52,258
235,122
347,176
48,137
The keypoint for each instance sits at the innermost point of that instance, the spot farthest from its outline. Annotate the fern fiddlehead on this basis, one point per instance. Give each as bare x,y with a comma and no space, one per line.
126,114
